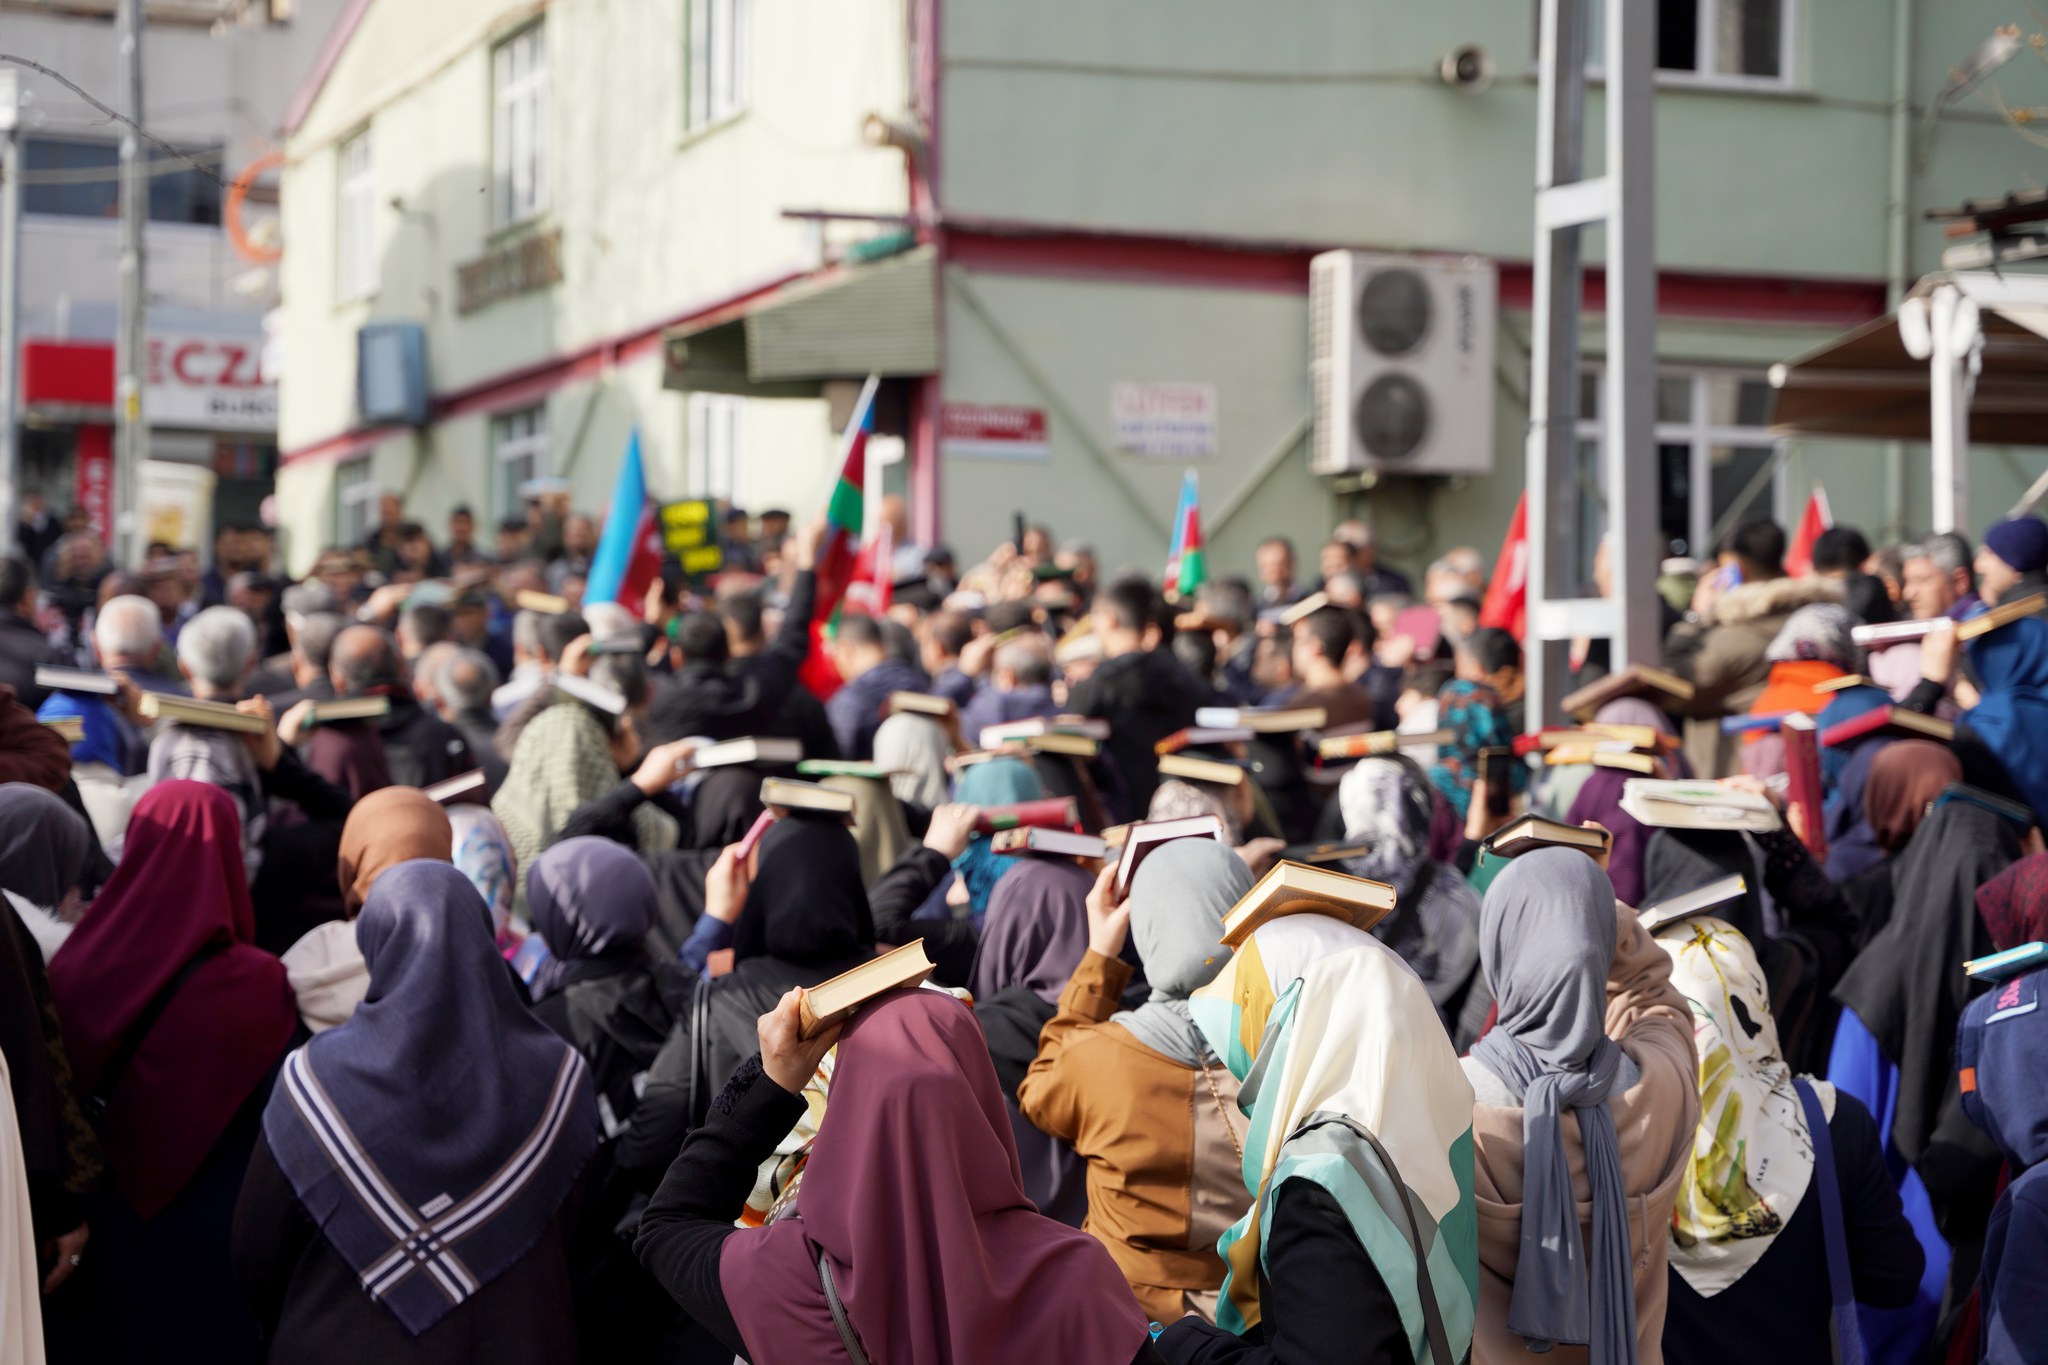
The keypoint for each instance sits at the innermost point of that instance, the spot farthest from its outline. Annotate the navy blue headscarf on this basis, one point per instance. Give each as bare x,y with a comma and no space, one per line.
591,898
433,1136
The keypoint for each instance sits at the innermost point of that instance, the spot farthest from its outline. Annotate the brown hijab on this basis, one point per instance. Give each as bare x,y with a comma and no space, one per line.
1905,777
386,828
30,751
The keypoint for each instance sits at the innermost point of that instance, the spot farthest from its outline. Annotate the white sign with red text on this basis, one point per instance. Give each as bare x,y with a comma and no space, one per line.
208,381
991,431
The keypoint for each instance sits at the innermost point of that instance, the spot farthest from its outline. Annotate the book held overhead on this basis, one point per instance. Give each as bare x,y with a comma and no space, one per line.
212,715
1637,680
1150,834
833,1002
1527,832
1298,889
781,793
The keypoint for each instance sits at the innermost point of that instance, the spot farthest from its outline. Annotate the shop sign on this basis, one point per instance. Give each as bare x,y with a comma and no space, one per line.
209,382
689,531
1165,421
990,431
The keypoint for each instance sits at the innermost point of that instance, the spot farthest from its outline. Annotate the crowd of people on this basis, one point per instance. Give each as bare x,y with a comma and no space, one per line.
310,1063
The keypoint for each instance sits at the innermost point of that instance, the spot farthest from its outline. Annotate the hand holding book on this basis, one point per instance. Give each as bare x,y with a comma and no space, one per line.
787,1057
663,765
727,883
268,746
1109,916
951,827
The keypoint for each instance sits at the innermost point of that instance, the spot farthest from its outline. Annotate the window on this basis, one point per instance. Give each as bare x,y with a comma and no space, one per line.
355,501
355,221
81,178
1717,463
718,60
519,441
519,89
1743,43
718,446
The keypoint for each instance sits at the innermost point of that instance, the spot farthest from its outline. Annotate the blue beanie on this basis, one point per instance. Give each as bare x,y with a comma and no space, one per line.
2021,542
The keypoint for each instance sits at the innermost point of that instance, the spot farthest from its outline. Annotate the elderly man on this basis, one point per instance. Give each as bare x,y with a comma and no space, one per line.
1936,578
420,748
217,649
463,680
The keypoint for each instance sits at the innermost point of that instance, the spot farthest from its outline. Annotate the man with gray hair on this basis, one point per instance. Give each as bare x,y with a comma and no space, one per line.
1936,577
462,685
297,603
218,649
1020,687
128,634
420,748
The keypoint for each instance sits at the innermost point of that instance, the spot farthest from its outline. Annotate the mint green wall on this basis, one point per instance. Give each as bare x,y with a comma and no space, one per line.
1322,121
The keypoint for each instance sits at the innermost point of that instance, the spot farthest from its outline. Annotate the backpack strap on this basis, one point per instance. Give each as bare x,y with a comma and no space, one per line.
839,1318
1848,1332
131,1041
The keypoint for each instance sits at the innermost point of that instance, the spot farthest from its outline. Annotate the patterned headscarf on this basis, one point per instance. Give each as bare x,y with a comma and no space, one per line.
1473,710
2014,904
1819,631
1752,1156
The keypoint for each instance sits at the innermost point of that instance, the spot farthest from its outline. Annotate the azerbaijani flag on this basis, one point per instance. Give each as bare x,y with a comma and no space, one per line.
1817,517
628,554
844,511
1185,568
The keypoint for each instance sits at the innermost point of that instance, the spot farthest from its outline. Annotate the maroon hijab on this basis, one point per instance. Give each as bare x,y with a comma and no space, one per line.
2014,904
179,887
914,1195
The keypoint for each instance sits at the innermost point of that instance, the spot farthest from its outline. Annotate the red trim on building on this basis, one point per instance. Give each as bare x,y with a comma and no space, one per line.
1283,267
338,39
530,383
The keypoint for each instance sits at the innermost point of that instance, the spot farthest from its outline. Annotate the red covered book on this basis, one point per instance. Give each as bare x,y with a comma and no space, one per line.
1054,812
1895,722
1804,792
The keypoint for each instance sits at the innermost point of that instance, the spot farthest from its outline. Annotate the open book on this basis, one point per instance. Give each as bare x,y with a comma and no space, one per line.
1298,889
1150,834
2004,614
833,1002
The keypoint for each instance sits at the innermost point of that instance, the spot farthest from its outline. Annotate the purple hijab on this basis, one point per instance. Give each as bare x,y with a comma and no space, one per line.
432,1137
1600,799
914,1198
1036,929
591,898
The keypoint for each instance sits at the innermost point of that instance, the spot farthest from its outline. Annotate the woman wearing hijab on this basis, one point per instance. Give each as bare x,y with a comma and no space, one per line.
1812,647
1138,1093
386,828
1749,1249
1474,712
1999,1046
914,749
1389,803
798,919
1893,1050
565,759
910,1210
2002,741
420,1221
879,828
1564,785
175,1023
1885,792
1357,1154
998,782
1588,1023
44,849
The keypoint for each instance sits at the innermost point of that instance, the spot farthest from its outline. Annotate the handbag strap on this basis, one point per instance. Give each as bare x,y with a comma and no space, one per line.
1848,1332
839,1318
1432,1315
700,1050
131,1040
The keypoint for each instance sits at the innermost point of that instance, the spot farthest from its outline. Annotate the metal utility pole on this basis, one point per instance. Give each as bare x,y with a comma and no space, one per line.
131,443
10,303
1566,204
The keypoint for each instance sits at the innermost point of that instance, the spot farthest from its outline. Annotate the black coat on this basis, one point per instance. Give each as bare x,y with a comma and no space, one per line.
314,1311
1145,696
422,749
745,698
22,650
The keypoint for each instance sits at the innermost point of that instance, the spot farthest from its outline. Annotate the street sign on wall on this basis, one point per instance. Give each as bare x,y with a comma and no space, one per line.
992,431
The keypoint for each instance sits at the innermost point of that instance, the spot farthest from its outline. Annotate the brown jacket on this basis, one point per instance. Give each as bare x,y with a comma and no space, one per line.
1654,1120
1164,1177
1723,657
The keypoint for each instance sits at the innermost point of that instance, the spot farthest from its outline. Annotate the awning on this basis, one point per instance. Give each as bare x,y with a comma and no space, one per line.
1867,384
876,317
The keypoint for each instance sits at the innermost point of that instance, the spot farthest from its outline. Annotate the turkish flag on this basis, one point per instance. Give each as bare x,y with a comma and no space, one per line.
1507,597
1815,519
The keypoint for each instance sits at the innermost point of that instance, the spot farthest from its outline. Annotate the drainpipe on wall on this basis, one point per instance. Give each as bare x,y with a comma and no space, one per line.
1898,237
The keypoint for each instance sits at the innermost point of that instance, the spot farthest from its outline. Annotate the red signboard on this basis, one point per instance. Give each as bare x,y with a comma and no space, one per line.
991,431
94,457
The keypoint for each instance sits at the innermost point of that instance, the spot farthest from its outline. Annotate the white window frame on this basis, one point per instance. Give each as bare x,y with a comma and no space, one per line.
355,219
519,126
1707,47
520,450
1699,436
718,446
355,501
718,85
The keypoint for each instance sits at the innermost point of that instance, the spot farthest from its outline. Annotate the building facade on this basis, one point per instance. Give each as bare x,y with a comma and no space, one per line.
1076,242
217,75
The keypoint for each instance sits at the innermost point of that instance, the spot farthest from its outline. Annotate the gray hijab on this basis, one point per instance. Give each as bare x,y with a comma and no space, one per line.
1178,900
916,746
1546,938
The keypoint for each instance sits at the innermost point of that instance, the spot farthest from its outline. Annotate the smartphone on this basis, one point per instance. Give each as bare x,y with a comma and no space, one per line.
1496,778
1017,531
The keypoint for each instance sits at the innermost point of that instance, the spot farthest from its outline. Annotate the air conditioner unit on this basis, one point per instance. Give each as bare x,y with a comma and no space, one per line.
1401,363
